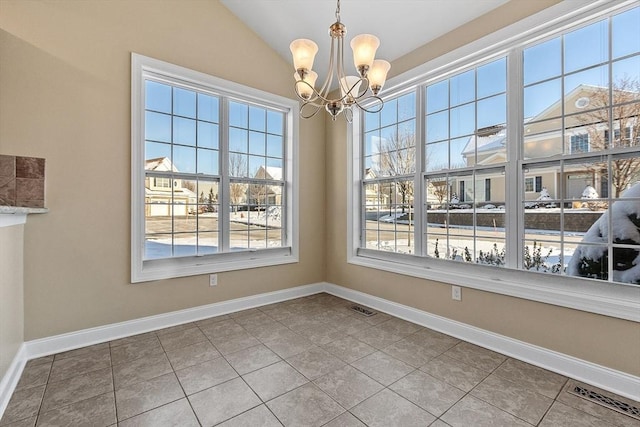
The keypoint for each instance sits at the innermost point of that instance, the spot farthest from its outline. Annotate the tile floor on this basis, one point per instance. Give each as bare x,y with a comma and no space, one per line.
306,362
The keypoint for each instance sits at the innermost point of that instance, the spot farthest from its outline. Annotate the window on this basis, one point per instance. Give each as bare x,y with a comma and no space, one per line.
517,169
213,174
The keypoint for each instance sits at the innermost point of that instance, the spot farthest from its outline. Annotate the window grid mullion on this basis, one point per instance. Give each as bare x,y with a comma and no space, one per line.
224,226
514,187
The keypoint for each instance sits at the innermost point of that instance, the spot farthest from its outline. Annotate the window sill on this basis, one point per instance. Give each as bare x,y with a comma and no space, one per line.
191,266
609,299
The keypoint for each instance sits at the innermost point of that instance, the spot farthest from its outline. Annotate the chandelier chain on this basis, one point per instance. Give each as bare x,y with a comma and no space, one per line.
338,11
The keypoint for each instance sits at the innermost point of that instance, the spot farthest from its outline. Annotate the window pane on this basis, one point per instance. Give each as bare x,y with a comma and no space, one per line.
184,131
407,106
586,46
208,107
463,88
275,121
208,202
257,143
238,165
371,121
207,243
274,146
594,79
626,33
462,153
626,74
543,139
184,103
438,96
208,162
463,120
184,159
542,61
155,150
207,135
389,113
257,119
585,132
492,111
492,78
157,127
437,126
543,97
184,244
238,140
238,114
437,156
157,97
255,165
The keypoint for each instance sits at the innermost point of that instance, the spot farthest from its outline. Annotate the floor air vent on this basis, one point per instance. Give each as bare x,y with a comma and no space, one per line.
362,310
607,402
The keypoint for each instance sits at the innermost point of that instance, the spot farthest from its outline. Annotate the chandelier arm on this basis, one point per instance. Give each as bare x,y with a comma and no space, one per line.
324,91
378,101
303,115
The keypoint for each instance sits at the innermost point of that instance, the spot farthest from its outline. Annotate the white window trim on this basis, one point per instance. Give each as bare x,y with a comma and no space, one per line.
606,298
147,270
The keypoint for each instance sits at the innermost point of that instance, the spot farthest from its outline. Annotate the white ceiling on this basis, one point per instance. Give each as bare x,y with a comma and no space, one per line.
401,25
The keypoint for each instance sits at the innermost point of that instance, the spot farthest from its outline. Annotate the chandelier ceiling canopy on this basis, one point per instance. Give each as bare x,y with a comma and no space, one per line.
355,90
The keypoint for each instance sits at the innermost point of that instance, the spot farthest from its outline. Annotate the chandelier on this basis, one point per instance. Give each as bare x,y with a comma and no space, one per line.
354,90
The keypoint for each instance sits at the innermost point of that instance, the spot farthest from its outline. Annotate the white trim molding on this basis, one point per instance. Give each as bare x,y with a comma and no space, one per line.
609,379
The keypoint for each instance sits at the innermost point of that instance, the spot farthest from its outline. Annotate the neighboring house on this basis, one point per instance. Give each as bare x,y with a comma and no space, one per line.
584,132
266,194
164,195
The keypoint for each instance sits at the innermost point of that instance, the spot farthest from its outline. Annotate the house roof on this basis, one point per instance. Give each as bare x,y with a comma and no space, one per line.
160,164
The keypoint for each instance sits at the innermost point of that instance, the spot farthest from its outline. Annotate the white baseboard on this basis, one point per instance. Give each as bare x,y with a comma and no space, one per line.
609,379
58,343
600,376
10,379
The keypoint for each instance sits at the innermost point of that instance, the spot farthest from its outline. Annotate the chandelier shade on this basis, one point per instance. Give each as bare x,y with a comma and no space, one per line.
359,90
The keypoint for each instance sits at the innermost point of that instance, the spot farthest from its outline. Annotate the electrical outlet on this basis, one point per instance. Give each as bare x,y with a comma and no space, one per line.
213,280
456,293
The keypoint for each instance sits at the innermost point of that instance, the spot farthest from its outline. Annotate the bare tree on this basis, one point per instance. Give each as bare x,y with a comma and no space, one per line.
237,168
397,158
624,133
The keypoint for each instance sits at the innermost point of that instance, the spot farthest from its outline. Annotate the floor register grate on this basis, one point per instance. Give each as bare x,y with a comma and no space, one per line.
607,402
362,310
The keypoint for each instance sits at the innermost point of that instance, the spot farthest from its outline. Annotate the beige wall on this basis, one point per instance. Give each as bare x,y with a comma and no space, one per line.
65,86
607,341
11,295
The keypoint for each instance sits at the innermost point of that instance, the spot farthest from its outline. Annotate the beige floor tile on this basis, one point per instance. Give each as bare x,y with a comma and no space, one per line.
305,406
348,386
82,350
34,375
141,369
81,364
399,326
410,353
561,415
190,355
40,360
427,392
436,343
377,318
383,368
244,313
174,414
177,328
233,343
23,404
345,420
224,328
253,320
322,334
289,345
258,416
135,350
95,411
455,372
349,349
539,380
274,380
207,374
269,331
387,409
315,362
76,389
182,338
231,399
132,339
349,325
471,411
211,320
143,396
252,358
377,337
513,398
27,422
476,356
439,423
